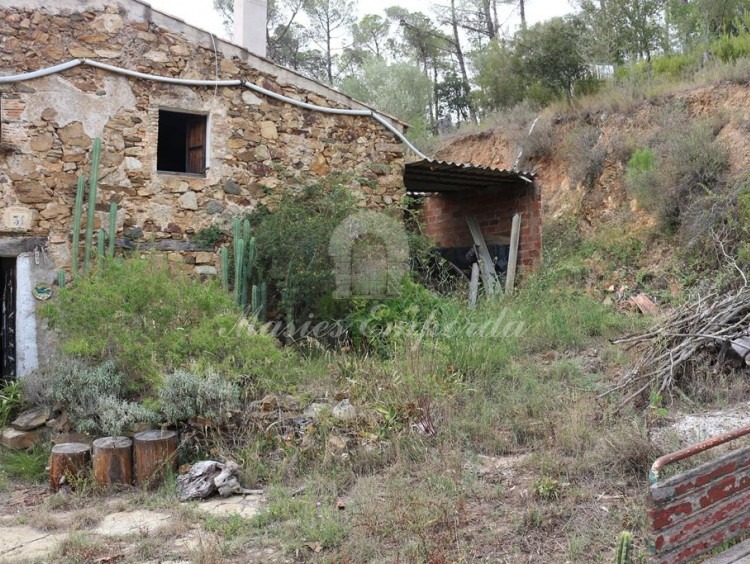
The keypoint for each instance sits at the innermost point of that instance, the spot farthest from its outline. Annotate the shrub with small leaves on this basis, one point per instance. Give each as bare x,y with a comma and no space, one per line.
185,395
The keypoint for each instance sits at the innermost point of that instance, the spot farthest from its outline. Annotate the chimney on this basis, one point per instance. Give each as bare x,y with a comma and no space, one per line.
250,17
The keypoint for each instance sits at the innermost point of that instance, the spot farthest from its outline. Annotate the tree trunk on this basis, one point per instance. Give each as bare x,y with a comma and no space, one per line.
67,460
522,7
113,461
153,453
461,62
489,22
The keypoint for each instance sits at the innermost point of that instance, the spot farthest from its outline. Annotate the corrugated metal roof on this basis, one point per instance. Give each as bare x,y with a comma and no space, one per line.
430,175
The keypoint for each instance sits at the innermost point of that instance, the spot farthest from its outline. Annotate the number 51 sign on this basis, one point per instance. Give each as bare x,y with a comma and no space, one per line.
16,219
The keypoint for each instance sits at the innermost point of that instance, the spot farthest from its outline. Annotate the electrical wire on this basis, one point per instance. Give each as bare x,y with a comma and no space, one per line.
213,83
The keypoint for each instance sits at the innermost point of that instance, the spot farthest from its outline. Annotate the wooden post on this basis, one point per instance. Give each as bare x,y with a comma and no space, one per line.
474,286
153,453
113,461
515,233
66,460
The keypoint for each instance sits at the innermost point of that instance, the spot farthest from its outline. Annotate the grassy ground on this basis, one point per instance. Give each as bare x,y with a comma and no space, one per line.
465,447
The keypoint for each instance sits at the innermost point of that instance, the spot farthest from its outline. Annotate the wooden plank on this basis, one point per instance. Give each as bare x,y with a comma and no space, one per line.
705,542
714,516
474,286
698,477
515,234
14,246
734,554
487,268
667,513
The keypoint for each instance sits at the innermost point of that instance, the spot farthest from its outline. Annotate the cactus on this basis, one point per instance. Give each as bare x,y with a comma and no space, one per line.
624,553
100,237
259,301
77,210
239,259
93,185
61,278
112,229
224,253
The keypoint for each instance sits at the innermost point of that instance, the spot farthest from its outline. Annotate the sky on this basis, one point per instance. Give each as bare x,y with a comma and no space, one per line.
200,13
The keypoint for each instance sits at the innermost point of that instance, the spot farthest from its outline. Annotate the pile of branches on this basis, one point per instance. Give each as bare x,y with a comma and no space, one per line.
717,322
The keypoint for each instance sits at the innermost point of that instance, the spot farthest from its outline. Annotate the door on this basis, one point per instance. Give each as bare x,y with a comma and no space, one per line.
7,318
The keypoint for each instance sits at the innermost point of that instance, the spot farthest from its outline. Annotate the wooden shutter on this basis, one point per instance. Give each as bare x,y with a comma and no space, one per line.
196,145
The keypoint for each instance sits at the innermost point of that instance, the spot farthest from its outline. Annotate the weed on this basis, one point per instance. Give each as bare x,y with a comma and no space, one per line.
11,400
27,465
208,237
547,488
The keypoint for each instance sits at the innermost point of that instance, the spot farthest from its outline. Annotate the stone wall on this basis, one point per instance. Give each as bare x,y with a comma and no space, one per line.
257,147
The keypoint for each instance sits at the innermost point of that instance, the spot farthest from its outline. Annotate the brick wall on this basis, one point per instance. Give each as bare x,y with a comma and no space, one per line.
445,218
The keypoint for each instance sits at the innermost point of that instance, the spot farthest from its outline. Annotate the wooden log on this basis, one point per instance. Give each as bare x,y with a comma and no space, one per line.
510,276
113,461
67,460
154,452
474,286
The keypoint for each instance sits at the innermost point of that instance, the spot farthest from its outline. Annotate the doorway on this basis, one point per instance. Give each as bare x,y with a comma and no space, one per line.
7,318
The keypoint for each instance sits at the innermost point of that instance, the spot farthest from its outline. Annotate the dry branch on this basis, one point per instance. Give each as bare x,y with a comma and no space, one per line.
717,322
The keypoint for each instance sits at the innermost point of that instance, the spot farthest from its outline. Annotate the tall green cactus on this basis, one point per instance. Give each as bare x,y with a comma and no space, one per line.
624,553
112,230
224,253
259,301
93,185
100,238
61,279
239,261
77,211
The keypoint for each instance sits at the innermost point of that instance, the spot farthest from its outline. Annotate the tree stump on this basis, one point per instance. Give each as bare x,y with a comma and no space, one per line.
113,461
66,460
153,453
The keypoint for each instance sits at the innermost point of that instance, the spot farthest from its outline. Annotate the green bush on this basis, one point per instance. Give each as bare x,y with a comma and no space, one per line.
729,48
584,155
292,248
150,320
11,400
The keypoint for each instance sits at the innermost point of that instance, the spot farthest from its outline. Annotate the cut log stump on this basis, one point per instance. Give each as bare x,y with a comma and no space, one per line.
113,461
153,453
67,460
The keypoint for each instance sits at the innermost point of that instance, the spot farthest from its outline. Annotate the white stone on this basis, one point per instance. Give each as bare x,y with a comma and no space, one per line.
206,270
21,544
138,522
131,163
251,99
188,201
244,506
344,411
156,56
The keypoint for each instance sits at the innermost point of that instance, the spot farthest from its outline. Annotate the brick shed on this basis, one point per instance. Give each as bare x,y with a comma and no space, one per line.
451,193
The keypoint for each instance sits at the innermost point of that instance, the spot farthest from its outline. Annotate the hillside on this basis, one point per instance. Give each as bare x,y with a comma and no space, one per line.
618,131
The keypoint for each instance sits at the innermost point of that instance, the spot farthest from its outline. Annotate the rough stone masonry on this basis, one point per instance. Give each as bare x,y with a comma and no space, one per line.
256,147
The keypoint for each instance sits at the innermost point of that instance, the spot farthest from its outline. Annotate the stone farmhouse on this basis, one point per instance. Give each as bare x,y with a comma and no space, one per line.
177,155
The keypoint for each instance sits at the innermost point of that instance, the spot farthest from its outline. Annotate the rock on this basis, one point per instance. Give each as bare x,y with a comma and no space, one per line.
188,201
319,165
41,143
206,270
49,114
17,440
198,483
231,187
32,192
31,418
214,206
53,211
73,135
344,411
337,444
156,56
142,523
132,233
269,403
268,130
251,99
228,67
24,544
314,410
245,506
131,163
204,258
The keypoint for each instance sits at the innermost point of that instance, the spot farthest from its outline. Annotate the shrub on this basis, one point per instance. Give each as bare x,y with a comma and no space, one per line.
11,400
149,320
584,155
185,395
92,394
292,247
